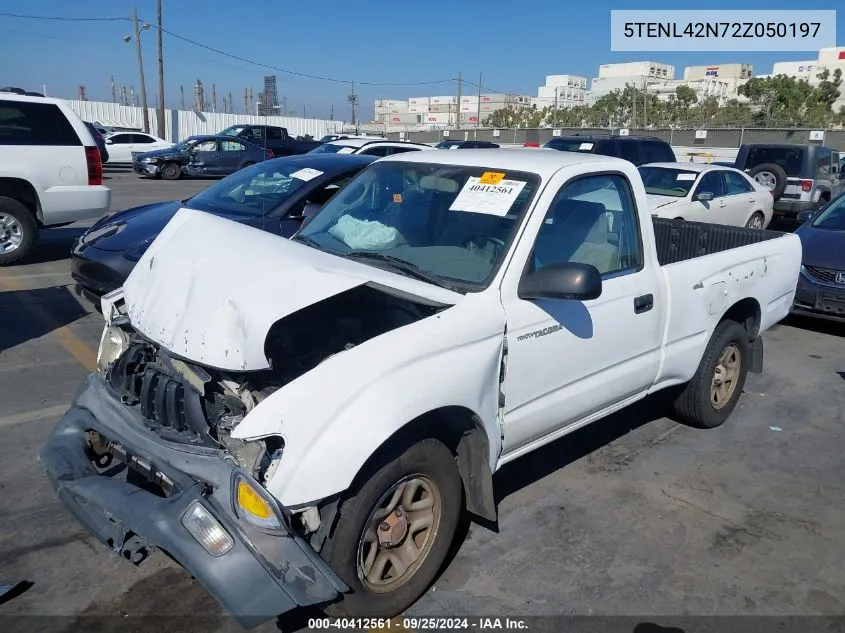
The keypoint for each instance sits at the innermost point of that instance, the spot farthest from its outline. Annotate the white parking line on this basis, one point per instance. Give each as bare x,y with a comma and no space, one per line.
32,416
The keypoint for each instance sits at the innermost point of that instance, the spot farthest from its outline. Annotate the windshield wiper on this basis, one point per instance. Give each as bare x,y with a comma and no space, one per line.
401,265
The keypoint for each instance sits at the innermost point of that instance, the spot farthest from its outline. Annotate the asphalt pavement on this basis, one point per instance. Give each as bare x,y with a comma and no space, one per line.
634,515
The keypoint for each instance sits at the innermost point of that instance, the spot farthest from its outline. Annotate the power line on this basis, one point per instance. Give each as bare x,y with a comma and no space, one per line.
230,55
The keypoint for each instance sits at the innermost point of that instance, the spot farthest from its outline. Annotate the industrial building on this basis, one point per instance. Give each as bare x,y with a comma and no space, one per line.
635,74
562,91
444,110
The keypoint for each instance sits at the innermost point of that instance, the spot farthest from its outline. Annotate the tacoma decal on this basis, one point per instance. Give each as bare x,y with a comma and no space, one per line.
538,333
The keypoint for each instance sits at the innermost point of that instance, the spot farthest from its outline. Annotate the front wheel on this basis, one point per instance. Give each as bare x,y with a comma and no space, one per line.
394,533
755,221
18,230
171,171
710,397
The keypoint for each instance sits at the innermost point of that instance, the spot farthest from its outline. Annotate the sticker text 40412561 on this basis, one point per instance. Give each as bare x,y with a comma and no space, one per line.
493,199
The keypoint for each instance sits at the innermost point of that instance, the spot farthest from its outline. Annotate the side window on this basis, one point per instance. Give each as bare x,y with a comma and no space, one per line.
606,148
592,220
274,134
712,182
655,152
402,150
628,151
25,123
205,146
323,194
736,183
121,139
834,162
232,146
252,134
823,163
142,138
377,150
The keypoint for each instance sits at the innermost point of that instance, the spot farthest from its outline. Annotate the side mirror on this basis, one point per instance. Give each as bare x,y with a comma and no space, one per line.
566,280
804,216
109,141
704,196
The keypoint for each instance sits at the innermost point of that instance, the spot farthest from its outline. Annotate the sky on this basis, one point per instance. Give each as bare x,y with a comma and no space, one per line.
514,45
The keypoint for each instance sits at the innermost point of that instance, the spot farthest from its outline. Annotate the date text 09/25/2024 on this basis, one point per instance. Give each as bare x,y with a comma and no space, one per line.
418,624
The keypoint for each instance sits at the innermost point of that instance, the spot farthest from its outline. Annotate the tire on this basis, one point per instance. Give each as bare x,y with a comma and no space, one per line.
18,231
425,463
695,405
771,176
171,171
756,221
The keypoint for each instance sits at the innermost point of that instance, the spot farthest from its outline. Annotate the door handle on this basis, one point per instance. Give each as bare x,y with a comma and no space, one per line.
643,303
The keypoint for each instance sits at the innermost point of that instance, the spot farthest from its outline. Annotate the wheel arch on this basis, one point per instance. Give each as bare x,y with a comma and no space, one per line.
463,433
24,192
748,314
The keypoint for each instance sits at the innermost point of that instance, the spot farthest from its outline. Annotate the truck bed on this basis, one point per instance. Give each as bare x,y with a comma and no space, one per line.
679,240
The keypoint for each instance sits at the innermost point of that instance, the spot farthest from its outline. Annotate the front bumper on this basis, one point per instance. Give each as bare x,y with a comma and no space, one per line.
98,272
144,169
820,300
791,208
252,586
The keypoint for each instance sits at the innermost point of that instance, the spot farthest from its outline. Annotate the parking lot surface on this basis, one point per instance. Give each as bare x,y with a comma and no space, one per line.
634,515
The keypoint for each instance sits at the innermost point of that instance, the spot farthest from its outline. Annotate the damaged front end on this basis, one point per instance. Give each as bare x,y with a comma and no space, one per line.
145,460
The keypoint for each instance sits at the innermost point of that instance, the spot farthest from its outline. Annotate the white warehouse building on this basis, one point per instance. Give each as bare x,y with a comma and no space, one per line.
831,59
562,91
635,74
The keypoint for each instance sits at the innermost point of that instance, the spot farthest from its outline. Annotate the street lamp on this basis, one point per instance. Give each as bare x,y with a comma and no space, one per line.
127,39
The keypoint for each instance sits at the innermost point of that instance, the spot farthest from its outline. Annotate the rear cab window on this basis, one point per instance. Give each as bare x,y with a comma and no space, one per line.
26,123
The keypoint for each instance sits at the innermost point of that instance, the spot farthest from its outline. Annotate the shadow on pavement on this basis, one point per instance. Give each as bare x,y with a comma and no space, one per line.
820,326
21,323
53,245
552,457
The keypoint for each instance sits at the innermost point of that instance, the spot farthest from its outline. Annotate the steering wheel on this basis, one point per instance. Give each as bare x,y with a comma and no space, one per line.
473,241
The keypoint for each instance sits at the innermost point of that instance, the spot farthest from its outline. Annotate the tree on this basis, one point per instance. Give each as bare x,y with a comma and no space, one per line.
685,96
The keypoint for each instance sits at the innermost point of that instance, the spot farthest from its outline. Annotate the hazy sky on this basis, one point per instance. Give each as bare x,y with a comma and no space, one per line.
514,44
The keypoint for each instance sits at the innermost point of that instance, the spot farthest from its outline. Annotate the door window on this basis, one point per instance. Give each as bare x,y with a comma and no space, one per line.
592,220
823,163
736,184
274,133
252,134
141,138
628,151
712,182
607,148
205,146
121,139
378,150
402,150
232,146
24,123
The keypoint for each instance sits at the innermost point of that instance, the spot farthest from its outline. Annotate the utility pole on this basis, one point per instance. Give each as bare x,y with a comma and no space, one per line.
353,100
458,105
160,115
554,119
144,112
246,100
478,114
633,122
214,97
331,115
113,91
181,97
231,104
284,106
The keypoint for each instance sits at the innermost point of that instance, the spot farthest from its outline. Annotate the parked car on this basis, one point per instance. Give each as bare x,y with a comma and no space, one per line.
271,137
51,172
328,138
800,177
635,149
168,163
100,140
277,195
221,156
312,416
456,144
706,193
821,286
369,147
123,144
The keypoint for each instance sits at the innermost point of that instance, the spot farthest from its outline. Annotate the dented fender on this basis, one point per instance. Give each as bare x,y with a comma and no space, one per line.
335,417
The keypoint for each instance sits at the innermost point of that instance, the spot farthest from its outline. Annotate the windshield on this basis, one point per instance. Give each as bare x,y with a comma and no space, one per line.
255,190
233,130
790,159
664,181
181,146
450,223
833,217
331,148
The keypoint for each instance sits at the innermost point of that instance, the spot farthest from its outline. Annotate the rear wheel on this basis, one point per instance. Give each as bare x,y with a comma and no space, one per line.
18,230
394,533
171,171
755,221
709,398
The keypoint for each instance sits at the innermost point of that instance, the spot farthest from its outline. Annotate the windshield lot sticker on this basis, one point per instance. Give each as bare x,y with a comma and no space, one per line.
491,178
585,147
397,198
346,150
686,176
497,199
306,174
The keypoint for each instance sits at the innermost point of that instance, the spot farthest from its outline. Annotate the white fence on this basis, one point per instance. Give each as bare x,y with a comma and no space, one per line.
180,124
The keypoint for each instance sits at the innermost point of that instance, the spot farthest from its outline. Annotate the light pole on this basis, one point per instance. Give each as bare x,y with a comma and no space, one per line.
160,117
137,36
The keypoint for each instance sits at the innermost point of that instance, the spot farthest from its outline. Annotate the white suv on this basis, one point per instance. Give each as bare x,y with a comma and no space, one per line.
50,171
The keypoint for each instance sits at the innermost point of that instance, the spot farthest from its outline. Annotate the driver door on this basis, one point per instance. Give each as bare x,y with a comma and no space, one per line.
717,210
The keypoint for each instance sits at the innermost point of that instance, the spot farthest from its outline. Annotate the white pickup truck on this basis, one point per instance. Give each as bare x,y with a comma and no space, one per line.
303,422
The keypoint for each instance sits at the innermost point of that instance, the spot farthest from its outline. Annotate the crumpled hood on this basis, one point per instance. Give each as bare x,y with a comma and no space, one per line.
656,202
167,152
214,306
